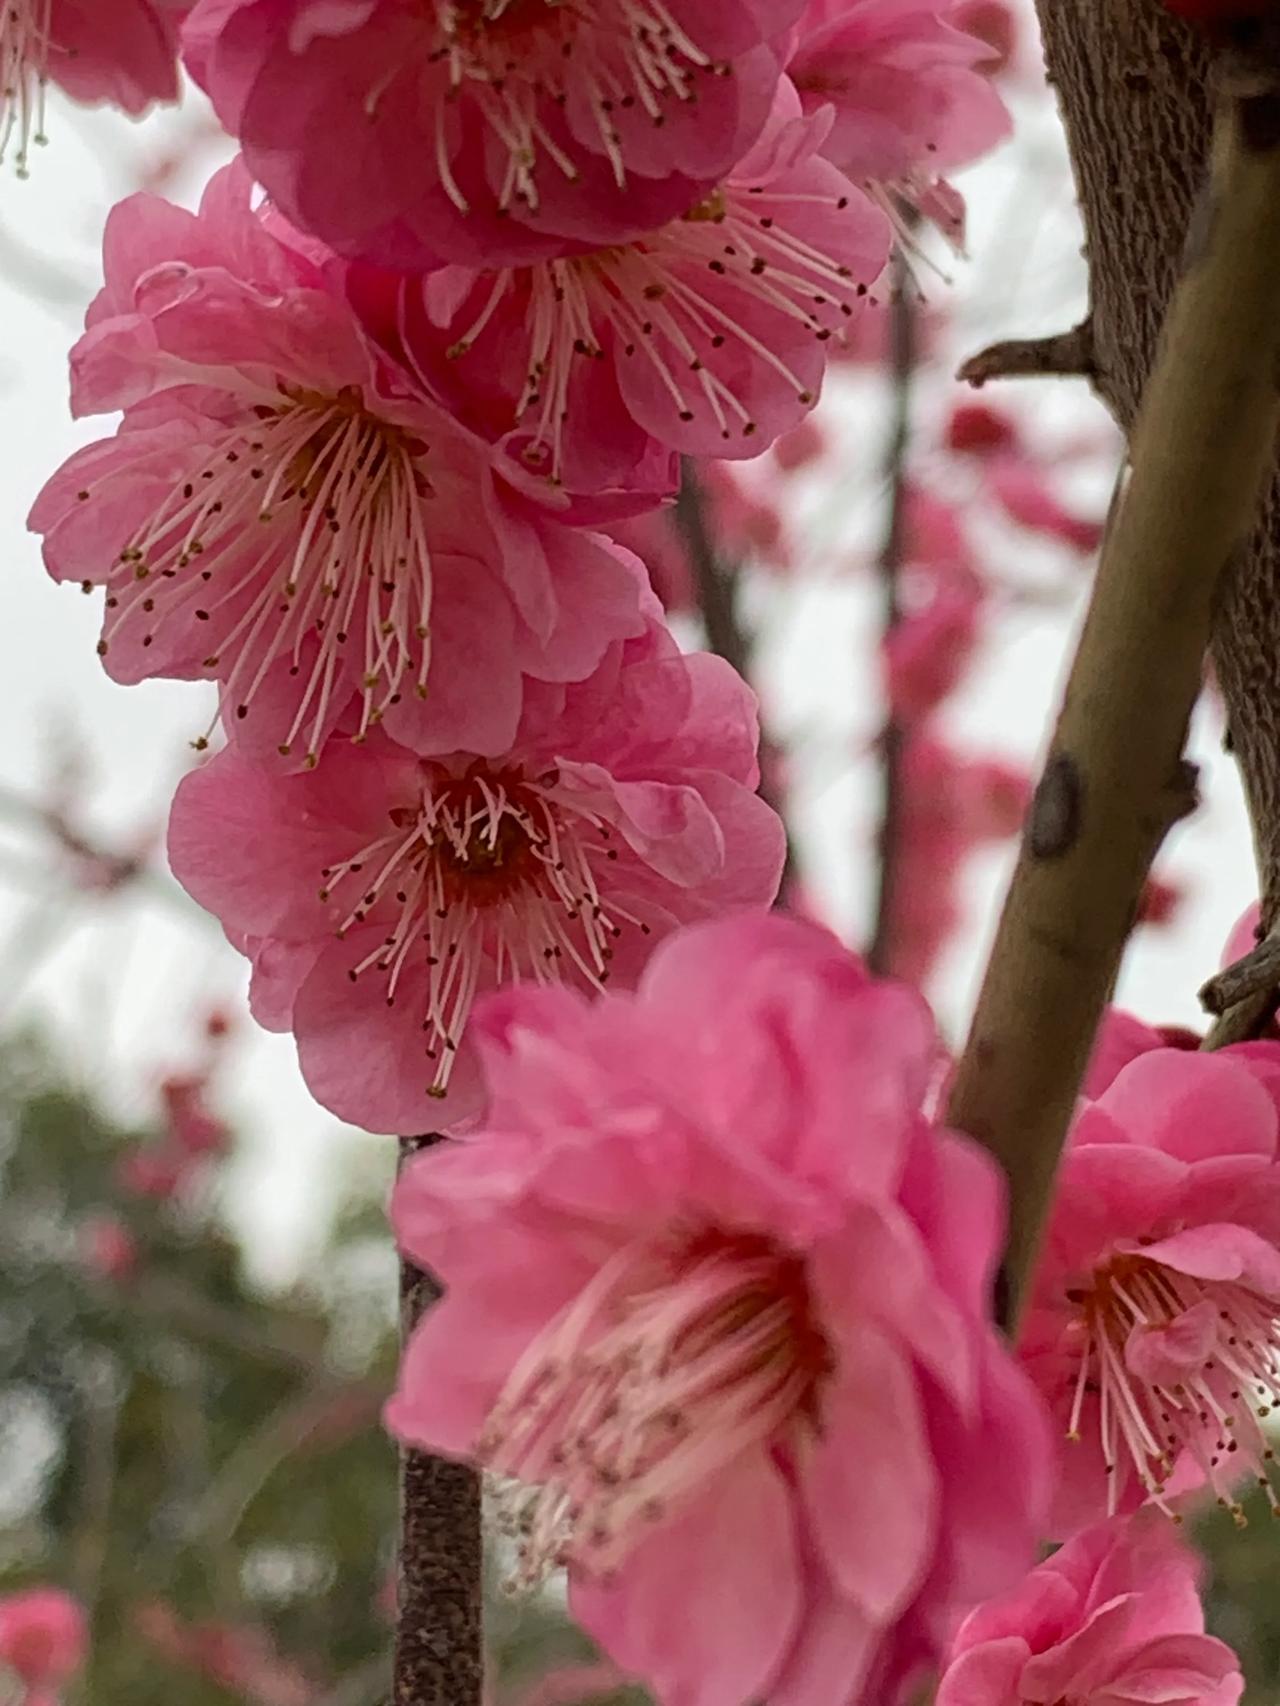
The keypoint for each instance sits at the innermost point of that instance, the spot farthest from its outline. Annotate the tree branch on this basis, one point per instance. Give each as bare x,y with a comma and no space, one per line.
715,586
1115,780
1064,354
439,1652
893,737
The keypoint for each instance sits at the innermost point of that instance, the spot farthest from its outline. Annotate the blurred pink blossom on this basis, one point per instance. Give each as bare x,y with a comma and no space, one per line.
44,1638
240,1659
122,52
108,1248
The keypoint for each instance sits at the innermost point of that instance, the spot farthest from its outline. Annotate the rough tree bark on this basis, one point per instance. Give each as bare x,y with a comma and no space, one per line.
439,1652
1133,87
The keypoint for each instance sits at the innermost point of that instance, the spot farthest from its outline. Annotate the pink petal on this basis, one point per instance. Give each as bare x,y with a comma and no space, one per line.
722,1647
869,1484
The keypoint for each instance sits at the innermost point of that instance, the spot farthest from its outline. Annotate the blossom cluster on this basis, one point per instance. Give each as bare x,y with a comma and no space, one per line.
717,1276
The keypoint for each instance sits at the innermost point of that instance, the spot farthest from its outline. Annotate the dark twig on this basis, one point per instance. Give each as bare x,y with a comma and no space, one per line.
893,737
1067,355
715,585
439,1656
1244,996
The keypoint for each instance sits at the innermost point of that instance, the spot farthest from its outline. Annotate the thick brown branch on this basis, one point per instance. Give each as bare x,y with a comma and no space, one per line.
439,1656
1115,779
1065,355
1133,83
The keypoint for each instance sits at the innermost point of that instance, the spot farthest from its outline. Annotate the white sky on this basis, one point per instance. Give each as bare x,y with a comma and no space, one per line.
123,982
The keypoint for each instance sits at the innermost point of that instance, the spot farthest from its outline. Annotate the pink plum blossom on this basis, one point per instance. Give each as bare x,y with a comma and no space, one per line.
1111,1619
927,652
1121,1037
716,1307
1154,1322
950,806
43,1639
992,22
1022,491
411,131
124,52
901,85
381,893
282,513
977,429
707,335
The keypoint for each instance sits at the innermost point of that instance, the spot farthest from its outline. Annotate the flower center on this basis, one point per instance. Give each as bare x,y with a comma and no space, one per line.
686,300
1178,1365
299,536
669,1364
520,60
491,878
24,57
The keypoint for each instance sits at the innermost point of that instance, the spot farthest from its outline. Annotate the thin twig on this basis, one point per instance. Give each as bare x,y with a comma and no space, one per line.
715,585
1115,779
1067,355
715,582
893,737
262,1451
439,1652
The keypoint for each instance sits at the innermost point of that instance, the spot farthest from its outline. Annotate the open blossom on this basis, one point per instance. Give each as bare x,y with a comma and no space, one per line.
121,51
281,513
476,130
43,1638
1154,1322
1111,1619
715,1299
707,335
382,893
901,84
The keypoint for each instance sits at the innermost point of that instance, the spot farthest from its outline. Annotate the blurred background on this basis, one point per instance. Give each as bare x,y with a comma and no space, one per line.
196,1282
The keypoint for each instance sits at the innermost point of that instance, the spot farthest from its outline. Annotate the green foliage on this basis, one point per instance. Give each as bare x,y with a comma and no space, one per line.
203,1465
173,1437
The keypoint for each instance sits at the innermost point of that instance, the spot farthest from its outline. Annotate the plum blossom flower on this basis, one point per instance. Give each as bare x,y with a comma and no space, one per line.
281,513
379,895
1154,1322
478,131
722,1292
951,806
43,1639
120,51
1111,1619
706,335
902,86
